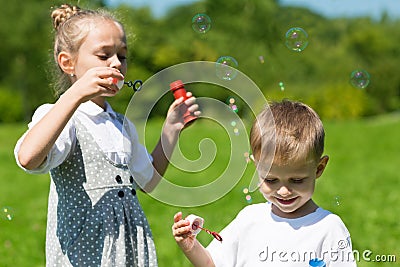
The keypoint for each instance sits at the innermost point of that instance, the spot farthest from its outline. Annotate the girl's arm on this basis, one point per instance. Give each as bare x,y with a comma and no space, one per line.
41,137
188,243
169,137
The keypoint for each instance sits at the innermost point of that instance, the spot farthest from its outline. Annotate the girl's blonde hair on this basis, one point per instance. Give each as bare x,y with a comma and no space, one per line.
72,25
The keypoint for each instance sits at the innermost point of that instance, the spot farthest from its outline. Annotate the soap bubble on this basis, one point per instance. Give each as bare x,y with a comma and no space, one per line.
249,199
226,68
7,213
234,108
360,78
282,86
261,58
296,39
336,201
246,156
231,101
201,23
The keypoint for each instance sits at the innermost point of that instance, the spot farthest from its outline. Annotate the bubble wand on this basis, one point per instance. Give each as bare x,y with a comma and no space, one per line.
214,234
196,225
136,85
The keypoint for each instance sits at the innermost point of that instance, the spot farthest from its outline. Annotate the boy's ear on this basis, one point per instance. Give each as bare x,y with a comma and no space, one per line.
322,165
66,63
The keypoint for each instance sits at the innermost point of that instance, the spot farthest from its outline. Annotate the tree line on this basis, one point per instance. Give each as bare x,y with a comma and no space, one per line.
251,31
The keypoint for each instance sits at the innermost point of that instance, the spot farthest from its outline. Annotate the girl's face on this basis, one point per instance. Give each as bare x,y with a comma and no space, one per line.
290,187
104,46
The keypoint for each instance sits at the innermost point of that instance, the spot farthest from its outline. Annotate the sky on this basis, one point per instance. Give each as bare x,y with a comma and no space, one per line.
350,8
329,8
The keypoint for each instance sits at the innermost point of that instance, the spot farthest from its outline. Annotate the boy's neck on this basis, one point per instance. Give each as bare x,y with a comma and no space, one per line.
308,208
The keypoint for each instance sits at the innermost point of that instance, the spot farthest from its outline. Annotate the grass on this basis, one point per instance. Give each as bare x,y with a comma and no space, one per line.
361,184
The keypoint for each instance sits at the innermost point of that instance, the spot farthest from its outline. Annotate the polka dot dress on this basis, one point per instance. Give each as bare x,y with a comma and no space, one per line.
94,217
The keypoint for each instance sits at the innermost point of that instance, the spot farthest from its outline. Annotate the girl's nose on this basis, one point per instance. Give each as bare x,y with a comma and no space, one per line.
115,62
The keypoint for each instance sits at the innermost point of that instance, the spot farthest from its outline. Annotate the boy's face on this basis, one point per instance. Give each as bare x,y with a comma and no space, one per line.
290,187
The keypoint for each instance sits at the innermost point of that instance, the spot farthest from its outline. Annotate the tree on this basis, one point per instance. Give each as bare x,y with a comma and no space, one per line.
244,29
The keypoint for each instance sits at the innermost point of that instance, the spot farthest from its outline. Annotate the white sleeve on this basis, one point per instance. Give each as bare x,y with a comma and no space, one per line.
60,150
141,162
224,254
338,244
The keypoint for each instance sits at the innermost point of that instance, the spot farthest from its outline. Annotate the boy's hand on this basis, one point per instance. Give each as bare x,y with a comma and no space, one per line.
182,233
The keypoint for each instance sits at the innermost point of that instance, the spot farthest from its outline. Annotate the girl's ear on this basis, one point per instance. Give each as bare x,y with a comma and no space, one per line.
322,165
66,63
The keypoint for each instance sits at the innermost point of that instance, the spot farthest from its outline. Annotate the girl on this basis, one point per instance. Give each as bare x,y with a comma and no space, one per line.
95,161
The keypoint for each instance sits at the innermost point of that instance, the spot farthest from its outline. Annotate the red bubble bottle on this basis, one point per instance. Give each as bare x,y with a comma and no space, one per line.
179,91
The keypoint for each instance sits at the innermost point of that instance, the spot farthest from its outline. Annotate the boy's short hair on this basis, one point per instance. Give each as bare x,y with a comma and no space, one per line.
289,131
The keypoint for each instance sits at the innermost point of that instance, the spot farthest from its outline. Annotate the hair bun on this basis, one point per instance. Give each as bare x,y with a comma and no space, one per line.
63,13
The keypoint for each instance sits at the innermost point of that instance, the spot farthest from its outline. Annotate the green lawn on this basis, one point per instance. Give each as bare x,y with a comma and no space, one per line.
361,184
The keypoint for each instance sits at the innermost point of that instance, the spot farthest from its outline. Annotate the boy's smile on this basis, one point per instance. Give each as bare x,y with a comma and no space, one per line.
286,201
290,187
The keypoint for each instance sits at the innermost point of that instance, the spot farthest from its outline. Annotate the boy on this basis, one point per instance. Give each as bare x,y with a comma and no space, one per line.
290,229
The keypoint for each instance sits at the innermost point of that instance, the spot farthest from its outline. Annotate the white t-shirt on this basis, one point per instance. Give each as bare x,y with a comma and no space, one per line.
121,146
257,237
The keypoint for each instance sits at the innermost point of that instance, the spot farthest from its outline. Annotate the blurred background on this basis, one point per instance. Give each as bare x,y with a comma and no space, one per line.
343,36
253,32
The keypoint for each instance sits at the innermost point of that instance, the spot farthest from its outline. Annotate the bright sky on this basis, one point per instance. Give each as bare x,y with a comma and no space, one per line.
330,8
350,8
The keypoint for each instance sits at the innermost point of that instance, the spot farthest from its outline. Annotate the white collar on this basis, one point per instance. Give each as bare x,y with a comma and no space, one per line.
92,109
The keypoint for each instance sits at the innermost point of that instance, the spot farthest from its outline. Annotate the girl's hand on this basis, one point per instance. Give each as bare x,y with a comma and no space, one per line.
96,82
178,108
182,234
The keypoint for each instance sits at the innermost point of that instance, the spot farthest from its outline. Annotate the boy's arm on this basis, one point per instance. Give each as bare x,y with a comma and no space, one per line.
199,256
188,243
